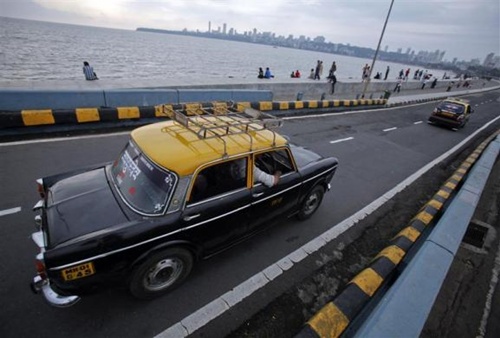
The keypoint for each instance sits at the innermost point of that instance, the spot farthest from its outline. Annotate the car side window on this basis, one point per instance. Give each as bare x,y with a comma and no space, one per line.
219,179
272,161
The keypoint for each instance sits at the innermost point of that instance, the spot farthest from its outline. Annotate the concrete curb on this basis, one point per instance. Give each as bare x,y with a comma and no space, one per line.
33,118
335,317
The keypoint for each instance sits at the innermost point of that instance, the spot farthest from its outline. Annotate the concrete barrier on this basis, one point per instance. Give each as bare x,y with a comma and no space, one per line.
50,99
335,317
139,97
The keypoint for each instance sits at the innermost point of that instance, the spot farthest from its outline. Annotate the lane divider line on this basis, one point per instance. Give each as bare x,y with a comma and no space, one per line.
390,129
10,211
342,140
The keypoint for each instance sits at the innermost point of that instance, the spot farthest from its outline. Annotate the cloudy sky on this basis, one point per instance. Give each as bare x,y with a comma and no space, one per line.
465,29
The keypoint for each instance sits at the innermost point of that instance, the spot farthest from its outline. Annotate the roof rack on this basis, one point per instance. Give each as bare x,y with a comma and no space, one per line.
220,121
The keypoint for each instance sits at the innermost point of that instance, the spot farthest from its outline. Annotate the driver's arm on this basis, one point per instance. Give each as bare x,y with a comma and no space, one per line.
265,178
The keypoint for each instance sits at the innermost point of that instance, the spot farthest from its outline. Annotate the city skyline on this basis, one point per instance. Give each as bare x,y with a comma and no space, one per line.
466,29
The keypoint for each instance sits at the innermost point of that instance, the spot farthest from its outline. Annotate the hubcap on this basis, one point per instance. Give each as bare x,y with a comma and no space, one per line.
163,274
311,203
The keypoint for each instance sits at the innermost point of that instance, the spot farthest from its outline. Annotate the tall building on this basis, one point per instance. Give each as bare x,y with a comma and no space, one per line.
488,61
224,28
210,27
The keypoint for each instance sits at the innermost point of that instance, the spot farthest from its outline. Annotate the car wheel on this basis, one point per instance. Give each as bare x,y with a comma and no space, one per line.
160,273
311,203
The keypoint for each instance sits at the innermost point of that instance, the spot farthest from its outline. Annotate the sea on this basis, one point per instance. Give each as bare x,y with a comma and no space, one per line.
38,51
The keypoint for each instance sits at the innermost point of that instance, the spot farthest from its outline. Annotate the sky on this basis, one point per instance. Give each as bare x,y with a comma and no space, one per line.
465,29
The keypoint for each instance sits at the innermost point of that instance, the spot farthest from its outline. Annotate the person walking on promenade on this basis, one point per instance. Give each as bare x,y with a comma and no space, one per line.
434,83
407,73
366,72
401,74
424,82
318,70
88,71
332,70
398,86
387,73
333,80
415,76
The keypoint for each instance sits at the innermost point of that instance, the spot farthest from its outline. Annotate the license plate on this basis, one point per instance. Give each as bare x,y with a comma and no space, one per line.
447,114
79,271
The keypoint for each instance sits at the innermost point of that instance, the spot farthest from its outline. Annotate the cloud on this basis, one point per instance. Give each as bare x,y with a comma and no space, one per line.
464,28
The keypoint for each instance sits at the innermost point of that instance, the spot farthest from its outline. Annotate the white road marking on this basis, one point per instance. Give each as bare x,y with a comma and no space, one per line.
9,211
342,140
418,122
390,129
225,302
489,296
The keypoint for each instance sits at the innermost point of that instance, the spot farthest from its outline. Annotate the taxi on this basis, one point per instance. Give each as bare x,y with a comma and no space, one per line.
180,191
452,112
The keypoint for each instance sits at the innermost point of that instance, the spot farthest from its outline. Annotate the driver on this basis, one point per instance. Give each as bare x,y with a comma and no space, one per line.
258,175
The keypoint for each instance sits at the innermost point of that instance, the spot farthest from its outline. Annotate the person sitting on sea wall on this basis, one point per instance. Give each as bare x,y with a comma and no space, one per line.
268,74
261,73
311,76
297,73
89,72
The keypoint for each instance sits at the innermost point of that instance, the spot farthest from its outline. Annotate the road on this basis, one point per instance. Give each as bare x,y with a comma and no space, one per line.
376,150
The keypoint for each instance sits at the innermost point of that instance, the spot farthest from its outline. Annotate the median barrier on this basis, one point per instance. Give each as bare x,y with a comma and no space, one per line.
334,318
31,118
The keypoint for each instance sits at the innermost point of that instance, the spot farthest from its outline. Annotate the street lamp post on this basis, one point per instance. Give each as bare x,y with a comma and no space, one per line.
376,52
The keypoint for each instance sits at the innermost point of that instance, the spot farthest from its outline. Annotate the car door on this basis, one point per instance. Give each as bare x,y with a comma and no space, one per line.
217,209
270,202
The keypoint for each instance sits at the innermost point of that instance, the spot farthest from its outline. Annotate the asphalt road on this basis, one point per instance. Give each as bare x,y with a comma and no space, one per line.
376,150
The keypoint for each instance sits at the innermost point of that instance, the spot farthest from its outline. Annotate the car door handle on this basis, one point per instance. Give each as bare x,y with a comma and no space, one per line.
188,218
258,194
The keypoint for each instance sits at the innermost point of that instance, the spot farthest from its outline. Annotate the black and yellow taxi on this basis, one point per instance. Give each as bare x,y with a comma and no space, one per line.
180,191
452,112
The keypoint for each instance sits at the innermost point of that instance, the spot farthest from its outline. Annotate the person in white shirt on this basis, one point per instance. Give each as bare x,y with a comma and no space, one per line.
89,72
267,179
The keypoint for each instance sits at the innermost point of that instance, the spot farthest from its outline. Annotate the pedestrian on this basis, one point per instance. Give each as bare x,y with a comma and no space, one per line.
386,73
333,80
311,76
450,85
332,70
318,70
297,73
401,74
268,74
415,76
398,86
407,73
434,82
424,82
88,71
366,72
261,73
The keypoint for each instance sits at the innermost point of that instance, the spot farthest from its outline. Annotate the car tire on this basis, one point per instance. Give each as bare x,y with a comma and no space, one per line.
160,273
311,203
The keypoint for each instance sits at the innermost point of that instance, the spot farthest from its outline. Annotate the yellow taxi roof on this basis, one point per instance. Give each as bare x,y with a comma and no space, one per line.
179,149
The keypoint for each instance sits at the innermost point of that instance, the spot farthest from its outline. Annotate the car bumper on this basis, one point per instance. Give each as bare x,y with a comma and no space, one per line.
446,122
42,285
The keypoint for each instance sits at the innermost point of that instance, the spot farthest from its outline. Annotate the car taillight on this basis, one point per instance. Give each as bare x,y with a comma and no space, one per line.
41,191
40,266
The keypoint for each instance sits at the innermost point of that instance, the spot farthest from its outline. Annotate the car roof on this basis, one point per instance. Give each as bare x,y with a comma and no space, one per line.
172,145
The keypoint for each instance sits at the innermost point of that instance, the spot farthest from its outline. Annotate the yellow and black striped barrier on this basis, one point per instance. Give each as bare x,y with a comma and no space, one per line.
334,318
47,117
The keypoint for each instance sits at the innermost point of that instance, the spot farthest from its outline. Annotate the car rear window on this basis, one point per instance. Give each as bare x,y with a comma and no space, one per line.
143,186
451,107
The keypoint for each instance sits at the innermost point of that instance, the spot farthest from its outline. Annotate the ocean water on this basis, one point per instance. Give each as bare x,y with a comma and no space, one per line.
38,51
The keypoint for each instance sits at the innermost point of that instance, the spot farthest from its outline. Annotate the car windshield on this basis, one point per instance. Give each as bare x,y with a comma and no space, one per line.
142,185
451,107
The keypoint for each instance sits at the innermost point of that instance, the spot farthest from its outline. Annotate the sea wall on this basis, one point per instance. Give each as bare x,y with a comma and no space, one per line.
263,90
